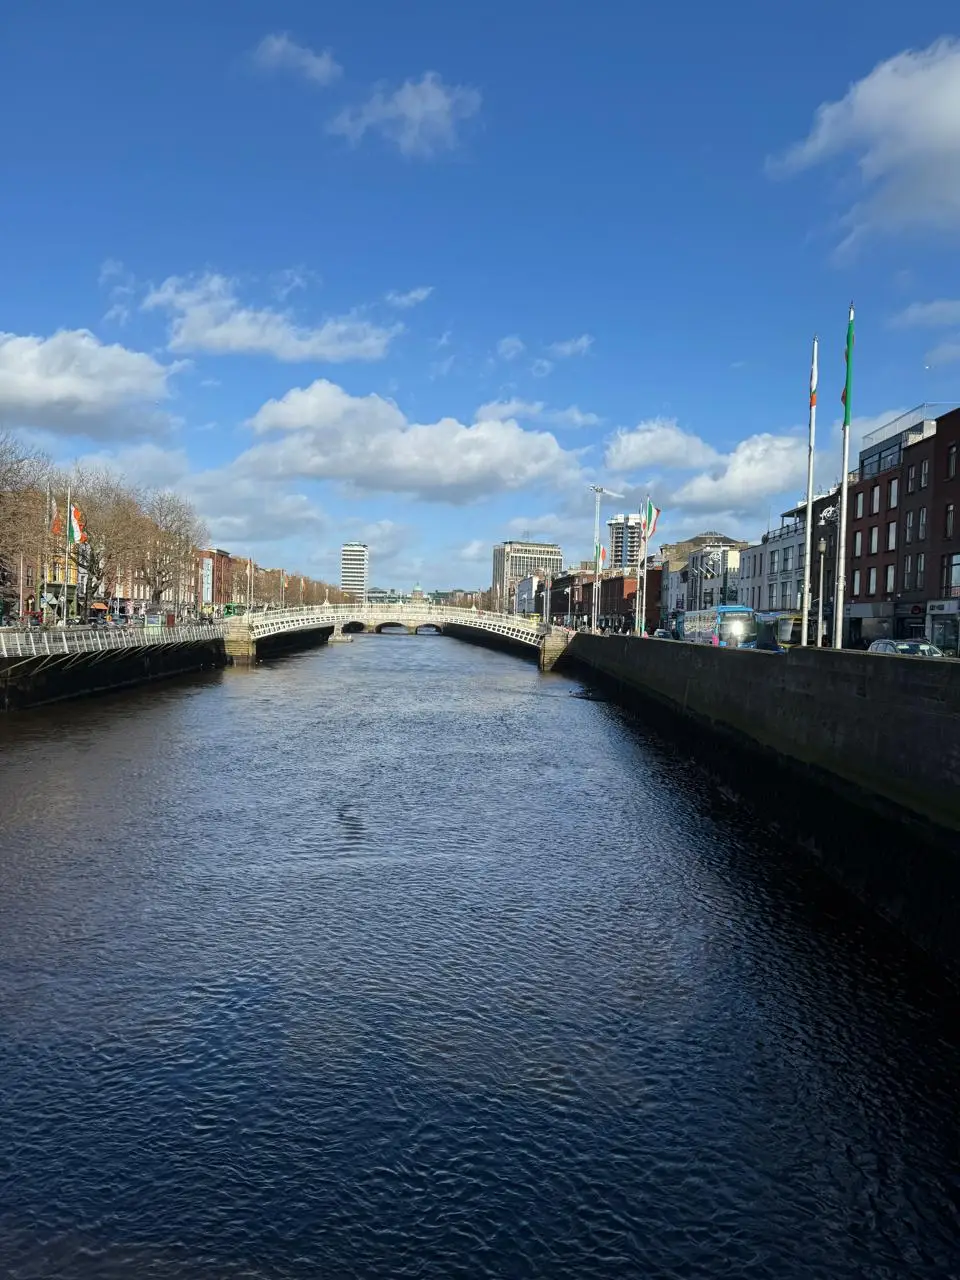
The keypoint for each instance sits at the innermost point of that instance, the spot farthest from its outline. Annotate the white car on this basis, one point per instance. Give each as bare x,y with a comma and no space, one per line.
907,648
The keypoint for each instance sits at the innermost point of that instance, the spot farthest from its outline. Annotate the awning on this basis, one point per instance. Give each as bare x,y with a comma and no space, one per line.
97,605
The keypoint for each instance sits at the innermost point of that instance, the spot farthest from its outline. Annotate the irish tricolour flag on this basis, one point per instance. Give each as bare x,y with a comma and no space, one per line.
649,515
75,530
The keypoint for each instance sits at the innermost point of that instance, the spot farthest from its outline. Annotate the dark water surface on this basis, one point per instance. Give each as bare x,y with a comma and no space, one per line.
397,959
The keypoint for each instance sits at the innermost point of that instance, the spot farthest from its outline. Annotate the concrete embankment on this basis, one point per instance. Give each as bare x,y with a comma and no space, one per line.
859,754
32,681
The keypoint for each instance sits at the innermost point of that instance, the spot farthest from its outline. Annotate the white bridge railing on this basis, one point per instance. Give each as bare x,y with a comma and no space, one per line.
37,642
275,621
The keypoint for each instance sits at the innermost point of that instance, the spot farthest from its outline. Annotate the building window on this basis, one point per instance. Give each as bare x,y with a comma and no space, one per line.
858,509
872,580
874,539
921,569
922,525
950,574
774,561
951,462
924,473
787,558
908,573
858,543
785,601
948,521
856,582
911,478
890,578
893,493
892,536
908,527
874,499
772,596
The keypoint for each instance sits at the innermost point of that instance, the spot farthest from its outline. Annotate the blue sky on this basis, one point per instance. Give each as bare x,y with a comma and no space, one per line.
420,273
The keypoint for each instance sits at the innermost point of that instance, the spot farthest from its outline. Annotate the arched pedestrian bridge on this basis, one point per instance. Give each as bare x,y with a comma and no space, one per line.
255,633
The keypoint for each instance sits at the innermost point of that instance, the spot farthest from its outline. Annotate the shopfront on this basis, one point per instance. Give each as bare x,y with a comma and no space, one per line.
943,624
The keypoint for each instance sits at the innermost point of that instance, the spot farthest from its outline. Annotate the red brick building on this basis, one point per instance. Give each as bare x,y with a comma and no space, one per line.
903,532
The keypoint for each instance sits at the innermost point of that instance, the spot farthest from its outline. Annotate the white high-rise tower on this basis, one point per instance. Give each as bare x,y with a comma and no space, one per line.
355,569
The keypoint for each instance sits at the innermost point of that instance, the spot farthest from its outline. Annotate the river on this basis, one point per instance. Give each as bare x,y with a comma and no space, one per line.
398,959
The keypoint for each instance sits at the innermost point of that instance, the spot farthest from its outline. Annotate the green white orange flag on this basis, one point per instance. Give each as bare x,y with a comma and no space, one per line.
76,531
648,519
848,384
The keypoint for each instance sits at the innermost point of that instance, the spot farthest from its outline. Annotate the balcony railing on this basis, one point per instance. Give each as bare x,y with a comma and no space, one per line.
914,420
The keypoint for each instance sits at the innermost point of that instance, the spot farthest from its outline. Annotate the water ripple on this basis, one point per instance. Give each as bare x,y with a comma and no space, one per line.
398,959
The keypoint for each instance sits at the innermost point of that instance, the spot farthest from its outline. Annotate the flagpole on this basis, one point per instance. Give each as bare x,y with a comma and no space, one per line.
808,531
640,556
595,594
66,553
838,593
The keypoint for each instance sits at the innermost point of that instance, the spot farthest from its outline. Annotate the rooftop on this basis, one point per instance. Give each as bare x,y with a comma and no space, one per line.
918,422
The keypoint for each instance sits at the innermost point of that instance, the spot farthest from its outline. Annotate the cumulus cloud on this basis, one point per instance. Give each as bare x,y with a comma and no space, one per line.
72,383
658,442
540,368
573,416
403,301
944,353
758,467
571,347
421,117
278,52
367,443
901,125
475,551
510,347
208,316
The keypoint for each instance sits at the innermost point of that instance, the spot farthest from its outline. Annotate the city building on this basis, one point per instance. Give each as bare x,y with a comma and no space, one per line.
529,595
625,541
713,574
214,580
679,589
903,537
513,561
355,569
771,569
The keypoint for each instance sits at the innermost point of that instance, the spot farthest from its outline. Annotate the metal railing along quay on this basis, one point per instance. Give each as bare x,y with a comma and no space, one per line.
37,642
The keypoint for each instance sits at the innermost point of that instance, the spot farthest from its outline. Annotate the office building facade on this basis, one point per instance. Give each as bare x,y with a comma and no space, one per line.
355,569
514,561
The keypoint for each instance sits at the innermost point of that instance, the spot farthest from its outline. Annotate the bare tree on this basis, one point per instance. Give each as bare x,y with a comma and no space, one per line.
168,535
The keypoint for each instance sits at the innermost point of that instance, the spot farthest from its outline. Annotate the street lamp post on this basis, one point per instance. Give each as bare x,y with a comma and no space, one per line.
598,491
822,548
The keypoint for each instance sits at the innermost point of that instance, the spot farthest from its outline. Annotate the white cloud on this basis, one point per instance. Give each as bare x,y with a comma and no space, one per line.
367,443
510,347
759,467
902,124
501,410
928,315
535,526
412,299
207,316
658,442
71,383
571,347
573,416
945,353
421,117
278,52
541,368
475,552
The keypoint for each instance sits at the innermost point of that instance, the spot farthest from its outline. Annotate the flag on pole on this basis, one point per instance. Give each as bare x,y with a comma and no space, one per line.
603,555
848,384
648,520
76,531
814,376
56,524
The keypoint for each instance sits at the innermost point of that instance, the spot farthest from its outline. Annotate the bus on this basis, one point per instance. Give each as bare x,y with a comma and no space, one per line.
731,626
782,630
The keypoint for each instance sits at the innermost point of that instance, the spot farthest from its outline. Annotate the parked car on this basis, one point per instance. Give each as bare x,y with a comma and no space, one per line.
907,648
660,634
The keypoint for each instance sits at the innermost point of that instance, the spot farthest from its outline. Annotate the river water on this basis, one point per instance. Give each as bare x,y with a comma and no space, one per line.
398,959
